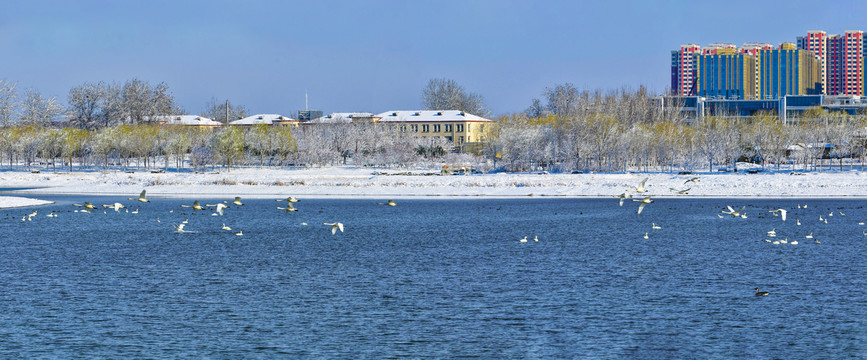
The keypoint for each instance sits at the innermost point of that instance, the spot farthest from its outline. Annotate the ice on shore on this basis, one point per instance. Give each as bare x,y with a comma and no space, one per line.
364,182
15,201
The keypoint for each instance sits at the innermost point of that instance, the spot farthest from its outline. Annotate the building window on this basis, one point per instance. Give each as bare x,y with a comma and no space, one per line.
448,127
460,127
414,128
425,128
436,128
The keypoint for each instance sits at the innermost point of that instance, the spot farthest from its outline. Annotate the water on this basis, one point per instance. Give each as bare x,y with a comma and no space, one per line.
435,278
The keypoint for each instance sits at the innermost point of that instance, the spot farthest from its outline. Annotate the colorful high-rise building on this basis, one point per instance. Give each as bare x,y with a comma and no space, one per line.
726,75
683,69
840,60
788,71
817,43
845,73
754,49
719,48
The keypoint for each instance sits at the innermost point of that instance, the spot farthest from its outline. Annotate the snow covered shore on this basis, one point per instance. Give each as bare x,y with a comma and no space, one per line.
14,202
348,182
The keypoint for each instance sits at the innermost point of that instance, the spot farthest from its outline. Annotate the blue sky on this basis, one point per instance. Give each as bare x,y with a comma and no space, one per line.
378,55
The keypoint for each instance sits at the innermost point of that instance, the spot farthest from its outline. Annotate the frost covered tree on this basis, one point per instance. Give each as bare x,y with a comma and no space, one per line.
446,94
86,101
562,100
37,109
142,103
8,102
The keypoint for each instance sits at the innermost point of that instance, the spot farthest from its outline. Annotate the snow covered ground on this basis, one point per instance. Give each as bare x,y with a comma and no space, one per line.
14,201
348,182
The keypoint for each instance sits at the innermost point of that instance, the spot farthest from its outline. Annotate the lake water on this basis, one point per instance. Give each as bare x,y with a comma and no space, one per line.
435,278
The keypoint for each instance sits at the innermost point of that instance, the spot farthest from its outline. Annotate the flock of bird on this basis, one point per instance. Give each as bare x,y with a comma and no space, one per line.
642,190
218,210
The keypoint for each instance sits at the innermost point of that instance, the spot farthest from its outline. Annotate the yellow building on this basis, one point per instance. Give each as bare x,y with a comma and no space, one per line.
788,71
456,126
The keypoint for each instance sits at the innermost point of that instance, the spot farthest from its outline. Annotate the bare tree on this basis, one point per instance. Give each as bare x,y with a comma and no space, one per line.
141,103
85,103
445,94
223,111
562,99
37,109
7,102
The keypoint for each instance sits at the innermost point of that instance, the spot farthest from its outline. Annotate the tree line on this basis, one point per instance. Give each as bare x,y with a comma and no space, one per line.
628,130
110,126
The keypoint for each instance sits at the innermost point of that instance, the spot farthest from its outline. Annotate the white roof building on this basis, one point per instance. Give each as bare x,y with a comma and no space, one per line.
187,120
343,118
429,116
267,119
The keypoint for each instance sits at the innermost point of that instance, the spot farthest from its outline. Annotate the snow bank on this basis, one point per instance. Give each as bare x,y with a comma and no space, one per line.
14,201
362,182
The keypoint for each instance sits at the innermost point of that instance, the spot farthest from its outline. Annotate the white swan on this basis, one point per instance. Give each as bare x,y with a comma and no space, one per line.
389,203
640,188
681,192
87,205
523,240
781,211
226,227
116,206
290,199
773,232
141,197
654,226
645,236
731,211
179,228
644,202
624,196
195,206
237,201
695,179
288,208
335,227
219,206
809,236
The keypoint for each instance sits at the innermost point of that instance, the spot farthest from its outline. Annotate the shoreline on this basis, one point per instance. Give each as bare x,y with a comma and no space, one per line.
364,183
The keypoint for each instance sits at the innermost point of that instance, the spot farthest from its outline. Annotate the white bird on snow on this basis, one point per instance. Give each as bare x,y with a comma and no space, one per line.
640,188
